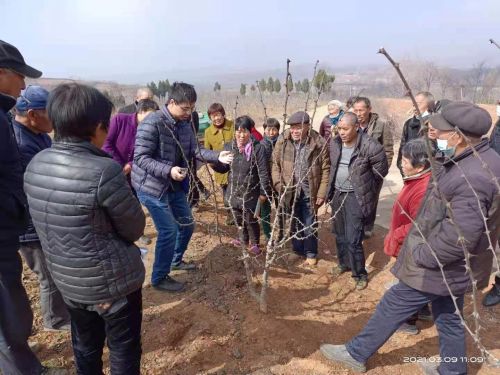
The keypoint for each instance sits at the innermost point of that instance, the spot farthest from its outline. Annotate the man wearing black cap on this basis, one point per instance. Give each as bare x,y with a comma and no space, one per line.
450,221
31,127
300,172
16,318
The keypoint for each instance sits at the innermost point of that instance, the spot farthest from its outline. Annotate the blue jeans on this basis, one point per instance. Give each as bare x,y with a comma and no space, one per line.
396,306
304,227
175,225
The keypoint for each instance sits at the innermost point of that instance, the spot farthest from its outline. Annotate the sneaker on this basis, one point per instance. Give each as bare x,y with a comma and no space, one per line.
492,298
236,242
311,261
63,328
255,249
339,353
361,284
339,270
145,240
54,371
169,285
183,266
429,367
409,329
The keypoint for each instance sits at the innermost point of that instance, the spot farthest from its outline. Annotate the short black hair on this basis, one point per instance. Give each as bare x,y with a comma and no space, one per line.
416,152
363,99
244,122
146,105
76,110
182,93
271,122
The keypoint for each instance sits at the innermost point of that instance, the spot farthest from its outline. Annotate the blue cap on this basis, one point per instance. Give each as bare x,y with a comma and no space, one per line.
33,97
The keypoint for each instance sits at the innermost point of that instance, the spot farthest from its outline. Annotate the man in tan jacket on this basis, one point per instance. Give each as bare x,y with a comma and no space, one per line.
300,173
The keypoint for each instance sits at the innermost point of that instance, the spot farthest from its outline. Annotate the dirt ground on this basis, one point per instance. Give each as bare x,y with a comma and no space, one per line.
215,327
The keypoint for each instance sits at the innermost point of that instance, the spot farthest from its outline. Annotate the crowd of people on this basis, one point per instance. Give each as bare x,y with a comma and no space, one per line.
72,205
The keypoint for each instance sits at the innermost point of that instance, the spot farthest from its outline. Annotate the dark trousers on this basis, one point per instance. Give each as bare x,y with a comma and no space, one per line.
396,306
52,304
121,329
16,318
348,230
370,221
304,227
249,224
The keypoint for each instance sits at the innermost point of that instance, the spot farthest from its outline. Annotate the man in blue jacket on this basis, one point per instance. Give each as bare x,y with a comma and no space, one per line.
16,317
31,127
164,145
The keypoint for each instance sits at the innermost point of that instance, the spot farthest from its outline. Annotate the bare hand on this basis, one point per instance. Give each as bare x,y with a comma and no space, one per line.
226,157
127,169
262,198
177,173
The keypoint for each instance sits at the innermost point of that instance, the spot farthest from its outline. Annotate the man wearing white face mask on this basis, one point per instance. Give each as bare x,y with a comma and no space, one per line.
432,248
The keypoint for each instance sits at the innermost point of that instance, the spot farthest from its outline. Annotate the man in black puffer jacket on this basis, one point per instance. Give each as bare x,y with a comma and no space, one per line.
16,318
164,146
88,219
358,166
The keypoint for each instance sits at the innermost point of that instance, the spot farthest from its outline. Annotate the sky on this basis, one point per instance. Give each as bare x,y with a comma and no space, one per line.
134,40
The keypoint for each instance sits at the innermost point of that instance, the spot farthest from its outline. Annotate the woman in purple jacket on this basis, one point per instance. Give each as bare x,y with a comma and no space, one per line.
121,134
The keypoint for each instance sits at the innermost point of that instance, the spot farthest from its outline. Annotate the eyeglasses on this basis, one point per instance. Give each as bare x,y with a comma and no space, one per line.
185,109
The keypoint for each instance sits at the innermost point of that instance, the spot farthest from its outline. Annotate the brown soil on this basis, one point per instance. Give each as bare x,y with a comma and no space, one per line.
215,327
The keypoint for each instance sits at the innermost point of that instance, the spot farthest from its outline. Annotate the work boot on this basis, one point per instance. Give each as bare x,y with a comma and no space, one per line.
492,298
169,285
339,353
